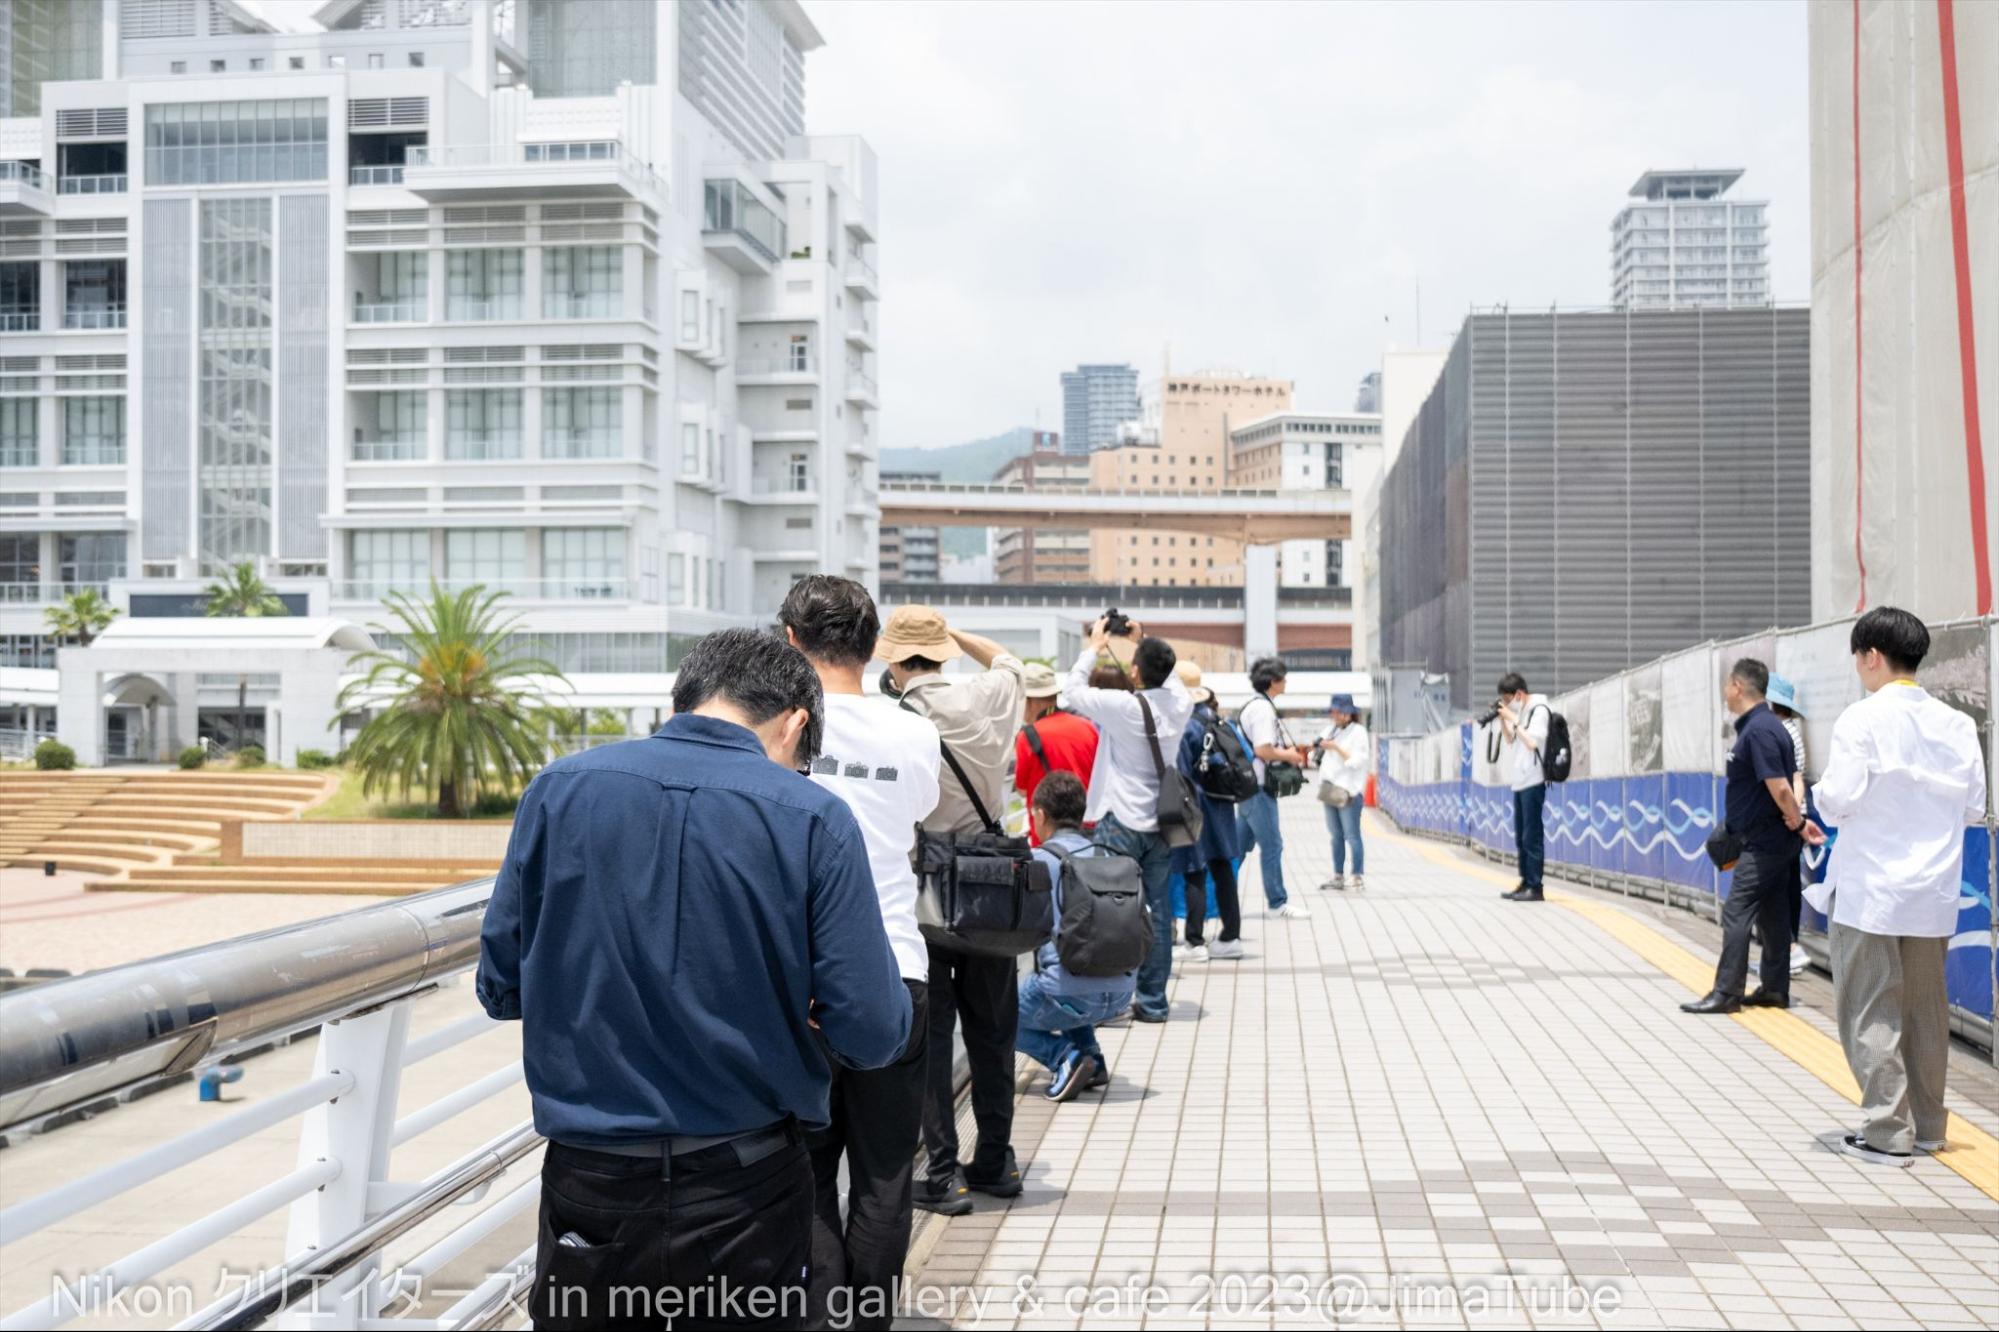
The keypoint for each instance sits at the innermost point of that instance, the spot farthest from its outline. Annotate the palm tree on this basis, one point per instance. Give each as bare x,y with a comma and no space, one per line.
241,592
465,715
80,617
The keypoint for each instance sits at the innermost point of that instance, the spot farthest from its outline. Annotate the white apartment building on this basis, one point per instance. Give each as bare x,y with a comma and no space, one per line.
552,296
1678,243
1309,451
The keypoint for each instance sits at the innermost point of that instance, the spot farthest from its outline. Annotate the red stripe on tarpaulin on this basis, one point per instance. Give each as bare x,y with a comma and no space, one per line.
1967,349
1859,457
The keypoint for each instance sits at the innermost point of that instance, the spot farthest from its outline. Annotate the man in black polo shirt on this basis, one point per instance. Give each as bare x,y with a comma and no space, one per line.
1761,809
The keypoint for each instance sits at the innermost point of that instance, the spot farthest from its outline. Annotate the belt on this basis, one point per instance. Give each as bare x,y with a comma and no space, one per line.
746,1148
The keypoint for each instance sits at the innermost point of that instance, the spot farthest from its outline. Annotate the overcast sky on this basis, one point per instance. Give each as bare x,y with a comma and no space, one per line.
1263,185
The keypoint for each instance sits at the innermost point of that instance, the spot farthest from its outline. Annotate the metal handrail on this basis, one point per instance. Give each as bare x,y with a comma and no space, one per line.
70,1042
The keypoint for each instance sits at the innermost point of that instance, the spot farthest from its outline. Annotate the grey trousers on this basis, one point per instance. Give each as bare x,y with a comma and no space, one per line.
1888,991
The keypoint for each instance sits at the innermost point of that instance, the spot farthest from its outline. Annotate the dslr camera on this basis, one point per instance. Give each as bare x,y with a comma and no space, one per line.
1491,714
1116,623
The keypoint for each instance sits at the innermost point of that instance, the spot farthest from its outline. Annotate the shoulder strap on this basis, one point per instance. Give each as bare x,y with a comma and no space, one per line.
964,782
1152,736
1034,743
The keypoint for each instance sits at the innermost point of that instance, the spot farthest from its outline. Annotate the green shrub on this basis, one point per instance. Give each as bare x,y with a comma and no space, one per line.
315,758
54,756
250,756
193,757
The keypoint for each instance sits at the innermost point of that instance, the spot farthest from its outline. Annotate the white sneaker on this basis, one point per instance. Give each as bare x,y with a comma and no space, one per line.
1931,1145
1800,959
1337,884
1357,883
1202,954
1184,951
1292,911
1229,950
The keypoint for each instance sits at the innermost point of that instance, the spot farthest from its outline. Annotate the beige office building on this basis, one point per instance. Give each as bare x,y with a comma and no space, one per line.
1181,444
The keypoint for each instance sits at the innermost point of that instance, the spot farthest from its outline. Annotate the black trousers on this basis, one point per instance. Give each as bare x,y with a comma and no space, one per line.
877,1115
983,991
718,1244
1222,871
1759,897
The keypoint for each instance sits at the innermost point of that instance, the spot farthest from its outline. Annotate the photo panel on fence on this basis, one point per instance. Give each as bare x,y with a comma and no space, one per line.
1690,727
1817,664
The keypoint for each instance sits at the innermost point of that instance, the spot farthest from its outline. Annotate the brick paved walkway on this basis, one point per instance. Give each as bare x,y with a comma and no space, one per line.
1426,1106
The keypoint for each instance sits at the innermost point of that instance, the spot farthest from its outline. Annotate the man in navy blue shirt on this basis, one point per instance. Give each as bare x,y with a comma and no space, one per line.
1761,808
674,919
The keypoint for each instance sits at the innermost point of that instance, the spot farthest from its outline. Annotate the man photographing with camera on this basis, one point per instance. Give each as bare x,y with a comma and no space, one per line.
1523,720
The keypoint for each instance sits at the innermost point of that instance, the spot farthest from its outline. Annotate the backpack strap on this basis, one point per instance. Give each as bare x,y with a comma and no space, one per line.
1152,736
1034,743
964,782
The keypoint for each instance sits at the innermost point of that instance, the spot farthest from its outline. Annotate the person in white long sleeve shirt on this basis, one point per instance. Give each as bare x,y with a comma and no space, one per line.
1904,778
1124,788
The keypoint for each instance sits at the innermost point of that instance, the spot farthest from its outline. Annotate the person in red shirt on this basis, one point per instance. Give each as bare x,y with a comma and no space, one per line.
1050,740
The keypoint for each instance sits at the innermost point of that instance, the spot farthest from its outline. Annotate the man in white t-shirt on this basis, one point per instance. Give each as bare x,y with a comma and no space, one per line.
882,761
1523,718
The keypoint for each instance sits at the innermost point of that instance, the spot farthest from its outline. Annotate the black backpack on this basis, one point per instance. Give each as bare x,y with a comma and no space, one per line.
1179,808
1225,770
1106,926
1555,751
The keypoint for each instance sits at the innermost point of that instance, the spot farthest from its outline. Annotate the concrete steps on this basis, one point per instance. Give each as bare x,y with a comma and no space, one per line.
112,823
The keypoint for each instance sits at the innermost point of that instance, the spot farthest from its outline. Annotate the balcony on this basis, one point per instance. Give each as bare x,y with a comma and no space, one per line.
793,369
546,170
581,444
739,228
375,175
391,448
20,320
467,311
860,276
94,316
115,183
613,588
860,330
861,387
24,191
389,312
588,305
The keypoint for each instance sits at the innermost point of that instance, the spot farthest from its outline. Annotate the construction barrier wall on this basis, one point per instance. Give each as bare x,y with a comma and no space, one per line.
1645,789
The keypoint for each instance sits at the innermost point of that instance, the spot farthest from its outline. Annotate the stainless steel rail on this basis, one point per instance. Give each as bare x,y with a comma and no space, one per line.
70,1042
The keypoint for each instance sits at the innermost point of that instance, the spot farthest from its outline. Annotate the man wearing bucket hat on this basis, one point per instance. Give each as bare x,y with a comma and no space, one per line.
1050,740
1783,700
976,714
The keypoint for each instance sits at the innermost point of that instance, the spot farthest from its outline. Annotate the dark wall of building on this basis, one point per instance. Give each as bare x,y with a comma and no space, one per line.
1586,491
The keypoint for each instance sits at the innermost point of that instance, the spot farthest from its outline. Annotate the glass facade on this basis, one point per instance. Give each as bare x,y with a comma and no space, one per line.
46,41
19,444
20,297
234,447
93,431
85,559
582,282
495,557
581,423
481,424
391,560
482,284
585,48
583,562
233,143
392,427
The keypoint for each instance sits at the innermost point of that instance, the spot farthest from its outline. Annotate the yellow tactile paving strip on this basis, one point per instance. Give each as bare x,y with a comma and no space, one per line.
1971,1152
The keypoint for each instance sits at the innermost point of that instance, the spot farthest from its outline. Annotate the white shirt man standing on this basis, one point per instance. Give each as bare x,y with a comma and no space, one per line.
1523,718
1905,776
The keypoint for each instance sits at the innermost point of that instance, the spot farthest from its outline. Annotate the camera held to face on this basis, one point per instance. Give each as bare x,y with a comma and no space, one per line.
1116,623
1491,714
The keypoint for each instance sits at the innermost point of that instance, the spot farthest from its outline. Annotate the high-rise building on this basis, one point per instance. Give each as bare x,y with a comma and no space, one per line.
1367,398
911,554
1678,244
551,296
1582,492
1095,400
1308,451
1043,555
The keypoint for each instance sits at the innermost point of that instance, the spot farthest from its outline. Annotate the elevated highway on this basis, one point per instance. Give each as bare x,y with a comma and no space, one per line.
1256,517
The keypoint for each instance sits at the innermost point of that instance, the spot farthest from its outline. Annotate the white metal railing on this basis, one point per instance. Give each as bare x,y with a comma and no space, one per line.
777,365
597,305
94,316
860,383
93,452
858,267
616,588
472,312
609,152
20,321
24,174
393,448
375,175
388,312
580,444
482,448
66,1045
102,184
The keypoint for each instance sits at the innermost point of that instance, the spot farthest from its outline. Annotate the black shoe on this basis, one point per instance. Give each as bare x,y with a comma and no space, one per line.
1100,1078
1006,1184
949,1198
1713,1002
1524,895
1765,999
1140,1015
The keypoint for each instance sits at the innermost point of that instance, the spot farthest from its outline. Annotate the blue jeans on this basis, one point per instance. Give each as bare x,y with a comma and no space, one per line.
1344,824
1051,1025
1264,834
1155,864
1529,832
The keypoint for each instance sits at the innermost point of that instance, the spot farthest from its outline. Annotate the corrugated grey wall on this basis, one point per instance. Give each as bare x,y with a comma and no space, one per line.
302,396
166,352
1635,483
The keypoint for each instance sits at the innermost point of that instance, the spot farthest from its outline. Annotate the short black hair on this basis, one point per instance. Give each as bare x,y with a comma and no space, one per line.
1901,639
920,664
833,619
1061,797
1752,674
1265,672
1153,662
1511,683
758,672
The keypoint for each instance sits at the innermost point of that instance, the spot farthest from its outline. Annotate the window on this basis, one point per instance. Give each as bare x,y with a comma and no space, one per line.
482,284
798,473
581,423
20,297
86,559
583,562
392,427
495,558
256,62
20,445
581,282
93,431
676,579
799,354
690,317
374,60
236,411
218,67
690,448
177,67
296,62
482,424
230,143
20,559
388,561
402,288
416,60
93,293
